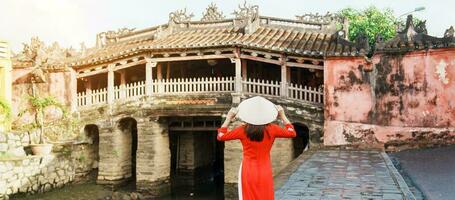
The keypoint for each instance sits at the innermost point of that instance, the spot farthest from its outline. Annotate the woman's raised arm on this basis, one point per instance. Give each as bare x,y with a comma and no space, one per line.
224,134
288,131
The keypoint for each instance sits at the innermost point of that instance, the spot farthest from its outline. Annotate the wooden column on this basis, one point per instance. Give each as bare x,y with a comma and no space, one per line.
238,75
288,75
149,76
159,76
244,70
73,86
88,91
122,83
110,83
159,73
284,76
168,70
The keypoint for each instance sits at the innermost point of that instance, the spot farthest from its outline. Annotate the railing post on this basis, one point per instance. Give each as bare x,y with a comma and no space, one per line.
284,77
110,83
148,76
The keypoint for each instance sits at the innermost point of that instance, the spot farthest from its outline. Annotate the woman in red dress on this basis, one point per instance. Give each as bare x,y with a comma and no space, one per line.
255,173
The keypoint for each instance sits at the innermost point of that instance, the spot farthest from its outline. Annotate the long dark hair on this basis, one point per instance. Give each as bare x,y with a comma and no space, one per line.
255,132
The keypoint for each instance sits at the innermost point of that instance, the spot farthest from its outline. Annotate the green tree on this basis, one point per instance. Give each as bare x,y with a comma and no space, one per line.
370,21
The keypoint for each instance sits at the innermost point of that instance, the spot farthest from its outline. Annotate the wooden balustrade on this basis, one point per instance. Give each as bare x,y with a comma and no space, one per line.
306,93
99,96
202,85
263,87
81,99
198,85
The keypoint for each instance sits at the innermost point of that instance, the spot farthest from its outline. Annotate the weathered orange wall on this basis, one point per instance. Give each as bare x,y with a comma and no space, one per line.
391,98
58,85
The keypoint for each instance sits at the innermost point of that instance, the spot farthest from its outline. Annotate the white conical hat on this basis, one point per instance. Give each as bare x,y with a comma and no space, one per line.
257,111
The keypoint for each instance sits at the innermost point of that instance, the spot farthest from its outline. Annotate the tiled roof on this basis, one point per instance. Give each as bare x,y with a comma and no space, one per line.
309,36
286,40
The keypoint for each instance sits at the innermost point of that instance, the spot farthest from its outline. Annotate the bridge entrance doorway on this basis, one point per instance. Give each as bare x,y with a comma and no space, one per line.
302,141
91,152
197,158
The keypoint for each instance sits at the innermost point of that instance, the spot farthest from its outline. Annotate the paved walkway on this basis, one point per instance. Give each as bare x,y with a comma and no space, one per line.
345,174
431,170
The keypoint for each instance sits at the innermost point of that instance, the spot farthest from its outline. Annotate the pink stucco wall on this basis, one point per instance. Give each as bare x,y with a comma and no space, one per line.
58,85
392,97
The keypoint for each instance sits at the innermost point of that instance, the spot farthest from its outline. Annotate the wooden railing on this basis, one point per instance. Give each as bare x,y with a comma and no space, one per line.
197,85
201,85
130,90
264,87
306,93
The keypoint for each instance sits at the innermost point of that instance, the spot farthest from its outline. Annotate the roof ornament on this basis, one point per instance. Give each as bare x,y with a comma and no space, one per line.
247,11
180,16
46,57
107,37
361,43
317,18
449,33
212,14
409,30
421,27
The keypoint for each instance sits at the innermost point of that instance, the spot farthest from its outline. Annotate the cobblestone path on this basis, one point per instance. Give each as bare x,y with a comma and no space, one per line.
345,174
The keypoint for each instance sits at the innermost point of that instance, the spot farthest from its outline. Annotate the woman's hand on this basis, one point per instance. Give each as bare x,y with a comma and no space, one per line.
232,113
280,110
282,115
230,116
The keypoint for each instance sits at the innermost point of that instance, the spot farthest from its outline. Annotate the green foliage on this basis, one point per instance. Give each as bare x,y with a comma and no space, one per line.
5,112
370,21
37,105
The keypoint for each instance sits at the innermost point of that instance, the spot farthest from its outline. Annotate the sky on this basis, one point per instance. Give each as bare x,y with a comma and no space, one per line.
70,22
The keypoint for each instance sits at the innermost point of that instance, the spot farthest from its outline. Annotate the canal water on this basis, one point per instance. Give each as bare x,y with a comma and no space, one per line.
92,191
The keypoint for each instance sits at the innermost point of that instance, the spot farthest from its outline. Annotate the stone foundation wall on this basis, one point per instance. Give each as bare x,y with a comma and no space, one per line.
34,174
22,173
282,154
11,144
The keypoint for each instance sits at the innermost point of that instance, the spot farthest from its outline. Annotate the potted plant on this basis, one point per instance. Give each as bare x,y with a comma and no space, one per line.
37,106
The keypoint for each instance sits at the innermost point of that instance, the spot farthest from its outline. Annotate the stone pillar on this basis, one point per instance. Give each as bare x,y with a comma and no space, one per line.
284,76
149,76
110,84
115,146
88,91
108,170
153,164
